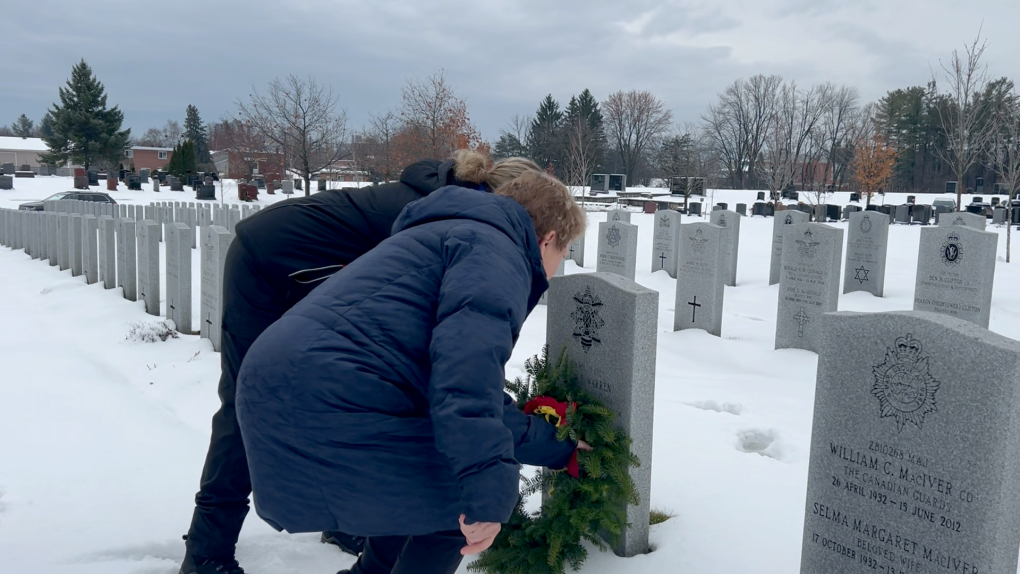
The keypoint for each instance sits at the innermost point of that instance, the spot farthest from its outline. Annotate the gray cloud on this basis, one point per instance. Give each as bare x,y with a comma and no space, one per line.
503,56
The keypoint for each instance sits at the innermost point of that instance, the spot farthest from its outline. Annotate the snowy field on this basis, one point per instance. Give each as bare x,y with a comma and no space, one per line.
102,439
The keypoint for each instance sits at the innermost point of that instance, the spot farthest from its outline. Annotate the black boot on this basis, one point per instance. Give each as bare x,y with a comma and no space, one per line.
352,545
199,565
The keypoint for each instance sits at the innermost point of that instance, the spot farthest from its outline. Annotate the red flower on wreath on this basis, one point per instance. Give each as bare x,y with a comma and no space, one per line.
555,412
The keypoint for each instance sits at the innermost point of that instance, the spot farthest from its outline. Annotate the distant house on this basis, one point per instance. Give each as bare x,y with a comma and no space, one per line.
147,157
21,151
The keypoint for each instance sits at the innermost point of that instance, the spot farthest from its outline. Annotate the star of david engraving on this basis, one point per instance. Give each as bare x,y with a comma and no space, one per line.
613,236
587,321
802,318
861,274
904,385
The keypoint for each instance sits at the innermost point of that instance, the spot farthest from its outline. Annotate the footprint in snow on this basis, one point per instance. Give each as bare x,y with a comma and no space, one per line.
764,442
731,408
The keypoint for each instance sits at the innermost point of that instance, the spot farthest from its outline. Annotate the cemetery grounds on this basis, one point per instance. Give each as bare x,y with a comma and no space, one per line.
102,438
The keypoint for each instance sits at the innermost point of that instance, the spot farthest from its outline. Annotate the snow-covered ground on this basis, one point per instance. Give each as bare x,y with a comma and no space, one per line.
102,439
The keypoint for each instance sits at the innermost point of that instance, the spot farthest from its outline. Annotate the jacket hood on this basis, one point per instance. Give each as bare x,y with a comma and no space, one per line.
503,213
429,175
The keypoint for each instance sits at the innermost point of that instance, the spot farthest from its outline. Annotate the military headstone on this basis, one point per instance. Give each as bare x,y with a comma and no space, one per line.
606,326
617,248
808,283
664,241
215,242
575,250
618,215
544,299
700,278
63,240
108,251
75,238
971,220
730,221
90,249
955,272
148,265
866,247
178,276
127,274
908,406
780,224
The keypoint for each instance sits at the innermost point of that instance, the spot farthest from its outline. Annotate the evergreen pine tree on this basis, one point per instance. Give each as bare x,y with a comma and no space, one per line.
545,145
182,161
46,126
84,130
196,131
509,146
23,127
586,108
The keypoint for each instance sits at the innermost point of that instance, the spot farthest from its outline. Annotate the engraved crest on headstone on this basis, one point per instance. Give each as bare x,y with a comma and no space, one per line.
788,220
807,246
959,221
613,236
721,221
904,385
952,250
802,318
616,217
698,242
866,224
587,321
664,221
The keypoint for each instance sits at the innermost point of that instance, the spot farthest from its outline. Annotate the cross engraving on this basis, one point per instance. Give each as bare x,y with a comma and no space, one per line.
662,260
571,256
802,319
694,307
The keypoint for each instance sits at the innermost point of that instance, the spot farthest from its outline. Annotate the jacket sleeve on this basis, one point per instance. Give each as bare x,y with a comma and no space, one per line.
535,441
483,294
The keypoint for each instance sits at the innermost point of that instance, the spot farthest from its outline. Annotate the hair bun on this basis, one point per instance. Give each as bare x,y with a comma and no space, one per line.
470,166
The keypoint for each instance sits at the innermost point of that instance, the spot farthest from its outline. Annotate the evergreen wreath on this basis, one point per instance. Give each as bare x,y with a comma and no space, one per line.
575,509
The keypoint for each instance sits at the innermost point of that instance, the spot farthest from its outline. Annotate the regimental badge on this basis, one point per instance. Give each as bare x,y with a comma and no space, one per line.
587,321
904,385
698,242
788,220
952,250
866,224
664,221
722,220
614,237
807,246
616,217
959,221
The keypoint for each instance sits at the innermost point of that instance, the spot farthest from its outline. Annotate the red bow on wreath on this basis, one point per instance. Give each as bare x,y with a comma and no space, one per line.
555,412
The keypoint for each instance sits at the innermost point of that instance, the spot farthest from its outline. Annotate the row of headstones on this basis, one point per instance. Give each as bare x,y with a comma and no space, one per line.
119,250
908,404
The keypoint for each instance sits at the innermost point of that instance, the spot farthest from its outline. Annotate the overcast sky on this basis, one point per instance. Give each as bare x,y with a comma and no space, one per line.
502,56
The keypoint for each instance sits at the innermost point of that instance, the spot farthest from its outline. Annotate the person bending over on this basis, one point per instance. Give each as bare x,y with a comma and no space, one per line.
376,405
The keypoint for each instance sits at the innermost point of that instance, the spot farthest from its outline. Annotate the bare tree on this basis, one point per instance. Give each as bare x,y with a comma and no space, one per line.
582,153
377,151
1004,155
791,147
435,121
963,119
303,119
634,122
173,134
739,126
153,137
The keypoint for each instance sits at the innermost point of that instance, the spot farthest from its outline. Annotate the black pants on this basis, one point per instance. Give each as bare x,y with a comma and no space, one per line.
222,501
436,553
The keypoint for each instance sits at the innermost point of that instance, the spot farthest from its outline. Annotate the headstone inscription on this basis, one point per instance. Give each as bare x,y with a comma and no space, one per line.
730,221
108,251
963,218
866,247
617,248
178,276
779,225
664,241
148,265
701,275
955,272
215,242
908,405
606,326
808,283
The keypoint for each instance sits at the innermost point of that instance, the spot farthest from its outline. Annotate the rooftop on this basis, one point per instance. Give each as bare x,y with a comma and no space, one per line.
22,144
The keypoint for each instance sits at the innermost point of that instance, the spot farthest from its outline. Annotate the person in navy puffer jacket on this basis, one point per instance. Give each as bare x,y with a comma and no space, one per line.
375,406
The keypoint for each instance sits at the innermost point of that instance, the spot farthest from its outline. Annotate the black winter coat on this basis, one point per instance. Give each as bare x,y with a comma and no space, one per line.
375,406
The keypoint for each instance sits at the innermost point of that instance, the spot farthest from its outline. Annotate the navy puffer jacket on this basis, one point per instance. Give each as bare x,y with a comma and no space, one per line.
375,406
